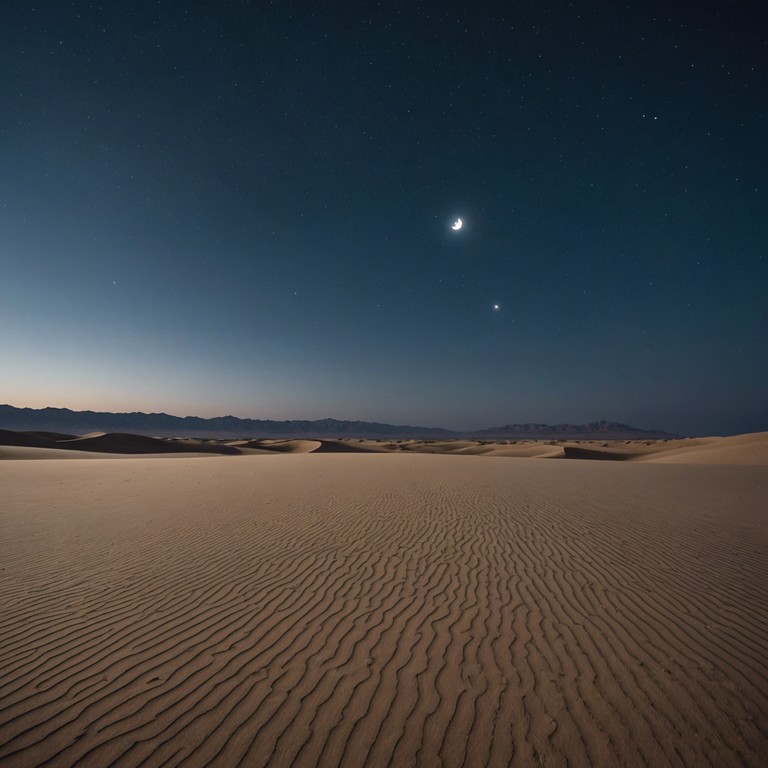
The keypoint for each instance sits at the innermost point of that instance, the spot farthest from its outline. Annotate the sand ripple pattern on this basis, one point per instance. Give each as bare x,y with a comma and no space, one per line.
347,610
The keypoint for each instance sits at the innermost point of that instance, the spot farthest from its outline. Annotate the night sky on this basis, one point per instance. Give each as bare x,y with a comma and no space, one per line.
245,208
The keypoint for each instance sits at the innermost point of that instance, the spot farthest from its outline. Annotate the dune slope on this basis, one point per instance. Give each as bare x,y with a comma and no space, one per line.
355,610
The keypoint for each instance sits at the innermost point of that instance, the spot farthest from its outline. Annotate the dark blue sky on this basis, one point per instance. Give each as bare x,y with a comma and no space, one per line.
245,207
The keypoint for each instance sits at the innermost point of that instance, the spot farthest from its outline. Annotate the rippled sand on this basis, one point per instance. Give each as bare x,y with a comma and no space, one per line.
371,610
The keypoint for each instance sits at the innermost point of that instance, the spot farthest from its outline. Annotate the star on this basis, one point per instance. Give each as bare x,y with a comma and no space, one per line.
496,307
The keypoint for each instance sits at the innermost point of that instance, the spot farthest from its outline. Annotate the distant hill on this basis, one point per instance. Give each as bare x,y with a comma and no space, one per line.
595,430
64,420
82,422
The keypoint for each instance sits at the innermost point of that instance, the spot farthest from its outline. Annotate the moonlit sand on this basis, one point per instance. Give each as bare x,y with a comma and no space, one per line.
394,608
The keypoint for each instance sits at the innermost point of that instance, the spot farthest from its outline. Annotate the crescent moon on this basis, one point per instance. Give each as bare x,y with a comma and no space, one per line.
457,225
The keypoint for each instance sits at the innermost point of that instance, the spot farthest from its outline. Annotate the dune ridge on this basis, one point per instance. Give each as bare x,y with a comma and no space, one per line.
394,609
750,449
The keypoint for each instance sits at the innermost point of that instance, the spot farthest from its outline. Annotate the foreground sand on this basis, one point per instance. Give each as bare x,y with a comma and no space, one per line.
372,610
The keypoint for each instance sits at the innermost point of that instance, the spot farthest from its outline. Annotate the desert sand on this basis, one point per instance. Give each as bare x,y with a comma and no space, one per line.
749,449
362,605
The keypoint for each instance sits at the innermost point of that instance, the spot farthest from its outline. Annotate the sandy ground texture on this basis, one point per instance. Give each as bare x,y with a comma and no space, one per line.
371,610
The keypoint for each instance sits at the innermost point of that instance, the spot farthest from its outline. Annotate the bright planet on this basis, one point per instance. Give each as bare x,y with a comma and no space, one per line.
457,225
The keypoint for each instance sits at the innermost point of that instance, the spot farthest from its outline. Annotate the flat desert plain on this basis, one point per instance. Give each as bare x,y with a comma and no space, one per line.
385,608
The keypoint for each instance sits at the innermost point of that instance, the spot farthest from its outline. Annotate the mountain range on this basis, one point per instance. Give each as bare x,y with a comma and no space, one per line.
82,422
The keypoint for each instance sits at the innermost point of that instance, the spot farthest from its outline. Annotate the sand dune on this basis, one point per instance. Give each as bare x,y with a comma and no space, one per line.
27,439
741,449
28,452
51,445
284,446
116,442
372,610
352,446
749,449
